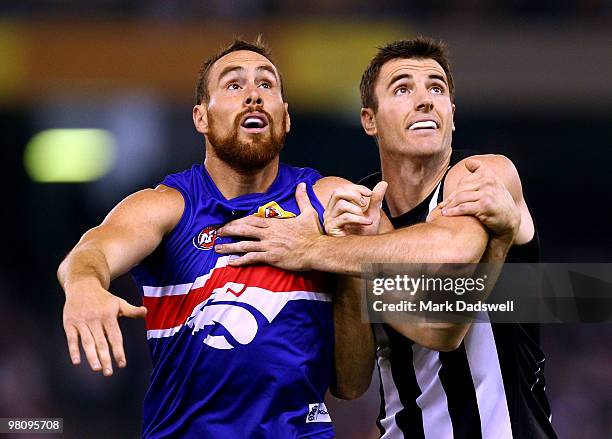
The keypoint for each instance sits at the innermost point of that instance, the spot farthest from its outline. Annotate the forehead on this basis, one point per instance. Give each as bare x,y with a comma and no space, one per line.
240,58
413,66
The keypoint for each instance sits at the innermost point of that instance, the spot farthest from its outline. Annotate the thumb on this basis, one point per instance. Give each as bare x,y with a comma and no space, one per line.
131,311
301,196
378,194
472,165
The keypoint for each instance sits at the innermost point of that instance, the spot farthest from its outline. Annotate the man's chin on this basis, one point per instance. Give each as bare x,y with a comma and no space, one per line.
254,156
249,165
423,148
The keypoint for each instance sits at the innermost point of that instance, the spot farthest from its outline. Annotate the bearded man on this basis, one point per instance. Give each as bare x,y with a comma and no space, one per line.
236,352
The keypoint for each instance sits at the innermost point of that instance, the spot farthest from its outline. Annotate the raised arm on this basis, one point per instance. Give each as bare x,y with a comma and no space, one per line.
130,232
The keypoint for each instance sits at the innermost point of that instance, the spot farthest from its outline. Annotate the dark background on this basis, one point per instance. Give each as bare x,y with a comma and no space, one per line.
533,83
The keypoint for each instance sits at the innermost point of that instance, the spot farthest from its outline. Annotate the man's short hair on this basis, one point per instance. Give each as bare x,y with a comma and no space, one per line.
257,46
417,48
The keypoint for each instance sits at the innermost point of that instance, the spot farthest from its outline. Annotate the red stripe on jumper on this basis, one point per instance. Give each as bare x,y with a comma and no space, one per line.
170,311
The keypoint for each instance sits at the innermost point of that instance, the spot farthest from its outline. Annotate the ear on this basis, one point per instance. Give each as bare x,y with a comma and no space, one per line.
368,121
287,118
200,118
453,117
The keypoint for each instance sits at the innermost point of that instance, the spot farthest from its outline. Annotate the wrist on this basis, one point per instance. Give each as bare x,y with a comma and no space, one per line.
500,244
79,284
316,253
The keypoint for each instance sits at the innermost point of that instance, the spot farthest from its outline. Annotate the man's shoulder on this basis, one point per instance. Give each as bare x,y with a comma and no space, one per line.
499,164
300,173
195,170
325,186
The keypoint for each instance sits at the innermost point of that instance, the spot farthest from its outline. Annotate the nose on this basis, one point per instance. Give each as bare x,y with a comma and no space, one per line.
424,102
253,98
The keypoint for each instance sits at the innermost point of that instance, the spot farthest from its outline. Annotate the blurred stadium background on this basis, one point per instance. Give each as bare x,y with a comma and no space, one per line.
114,82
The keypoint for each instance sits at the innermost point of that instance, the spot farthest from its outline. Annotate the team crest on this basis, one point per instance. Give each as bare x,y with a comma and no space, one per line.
273,210
205,240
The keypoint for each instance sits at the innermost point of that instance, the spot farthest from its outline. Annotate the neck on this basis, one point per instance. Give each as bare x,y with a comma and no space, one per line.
233,183
411,178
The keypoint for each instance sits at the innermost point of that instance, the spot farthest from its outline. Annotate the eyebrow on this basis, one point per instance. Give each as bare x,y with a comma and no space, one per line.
268,69
409,76
398,77
240,69
439,77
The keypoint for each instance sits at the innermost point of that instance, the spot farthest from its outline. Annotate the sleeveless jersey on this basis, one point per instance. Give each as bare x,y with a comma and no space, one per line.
491,387
237,352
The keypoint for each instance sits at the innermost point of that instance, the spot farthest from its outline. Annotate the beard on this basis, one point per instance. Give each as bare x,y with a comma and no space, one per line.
247,155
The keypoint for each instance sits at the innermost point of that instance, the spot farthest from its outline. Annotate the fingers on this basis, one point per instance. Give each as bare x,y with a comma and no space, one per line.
461,197
352,199
378,194
94,335
343,206
89,346
347,219
472,183
131,311
354,193
91,316
301,197
251,220
242,229
352,219
113,333
465,186
249,258
102,348
470,208
72,337
239,247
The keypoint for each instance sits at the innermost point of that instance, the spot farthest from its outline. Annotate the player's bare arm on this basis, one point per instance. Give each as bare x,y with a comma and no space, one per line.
483,194
130,232
353,209
494,179
354,355
460,239
354,346
489,200
296,245
491,192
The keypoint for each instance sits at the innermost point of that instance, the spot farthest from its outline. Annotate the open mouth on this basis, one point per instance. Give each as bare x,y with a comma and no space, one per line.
254,122
423,125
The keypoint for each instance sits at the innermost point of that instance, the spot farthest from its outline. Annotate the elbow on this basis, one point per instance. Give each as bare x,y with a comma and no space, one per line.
349,392
460,252
352,386
458,247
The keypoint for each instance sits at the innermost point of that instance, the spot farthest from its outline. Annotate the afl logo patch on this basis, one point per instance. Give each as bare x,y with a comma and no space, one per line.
205,240
273,210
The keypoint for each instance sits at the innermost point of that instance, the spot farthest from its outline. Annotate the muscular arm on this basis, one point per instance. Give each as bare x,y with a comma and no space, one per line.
460,239
354,345
500,205
480,193
130,232
297,245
